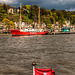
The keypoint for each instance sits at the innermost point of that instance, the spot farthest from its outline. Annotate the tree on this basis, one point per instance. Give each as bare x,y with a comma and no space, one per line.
50,12
45,19
34,12
8,24
45,12
62,21
11,24
65,14
8,6
16,18
5,7
0,4
11,17
28,7
53,10
59,14
2,13
49,26
52,19
72,19
55,16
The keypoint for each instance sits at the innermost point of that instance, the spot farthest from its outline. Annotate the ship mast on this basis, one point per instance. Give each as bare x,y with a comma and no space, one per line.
20,16
39,18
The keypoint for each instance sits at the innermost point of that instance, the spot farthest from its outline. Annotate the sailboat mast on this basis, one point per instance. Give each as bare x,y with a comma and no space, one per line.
20,16
39,18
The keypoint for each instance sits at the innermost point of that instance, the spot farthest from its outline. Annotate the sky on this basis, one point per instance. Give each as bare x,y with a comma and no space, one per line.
48,4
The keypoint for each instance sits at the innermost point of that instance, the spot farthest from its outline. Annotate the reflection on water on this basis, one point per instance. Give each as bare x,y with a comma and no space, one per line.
48,51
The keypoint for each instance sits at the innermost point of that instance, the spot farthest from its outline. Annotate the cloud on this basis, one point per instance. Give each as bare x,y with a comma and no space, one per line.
58,4
71,9
60,1
48,4
8,1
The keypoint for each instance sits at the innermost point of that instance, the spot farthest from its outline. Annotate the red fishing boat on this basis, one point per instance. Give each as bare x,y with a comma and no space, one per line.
28,31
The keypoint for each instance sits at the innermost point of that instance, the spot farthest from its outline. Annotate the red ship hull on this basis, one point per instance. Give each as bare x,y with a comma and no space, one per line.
18,32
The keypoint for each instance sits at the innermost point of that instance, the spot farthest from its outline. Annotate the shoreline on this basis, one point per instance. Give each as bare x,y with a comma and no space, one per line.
56,33
60,33
5,34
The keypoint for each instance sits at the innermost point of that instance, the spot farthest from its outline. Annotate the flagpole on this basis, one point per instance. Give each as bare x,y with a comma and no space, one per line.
20,16
33,64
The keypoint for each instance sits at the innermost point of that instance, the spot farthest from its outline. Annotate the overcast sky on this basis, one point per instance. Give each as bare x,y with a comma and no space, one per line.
48,4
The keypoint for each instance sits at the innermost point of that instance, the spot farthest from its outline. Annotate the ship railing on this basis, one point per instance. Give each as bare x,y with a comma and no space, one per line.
33,30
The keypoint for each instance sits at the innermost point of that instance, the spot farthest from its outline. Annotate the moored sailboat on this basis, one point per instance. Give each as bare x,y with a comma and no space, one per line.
20,31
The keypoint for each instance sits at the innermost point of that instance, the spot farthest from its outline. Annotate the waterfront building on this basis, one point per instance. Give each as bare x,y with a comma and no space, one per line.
13,10
1,27
67,23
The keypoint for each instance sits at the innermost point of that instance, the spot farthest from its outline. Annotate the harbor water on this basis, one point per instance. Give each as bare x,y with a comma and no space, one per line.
48,51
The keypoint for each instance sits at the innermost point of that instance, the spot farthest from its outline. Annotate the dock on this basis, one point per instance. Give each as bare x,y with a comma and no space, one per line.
59,33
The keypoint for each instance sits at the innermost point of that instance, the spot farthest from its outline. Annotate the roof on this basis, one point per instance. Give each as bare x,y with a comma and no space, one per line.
14,8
